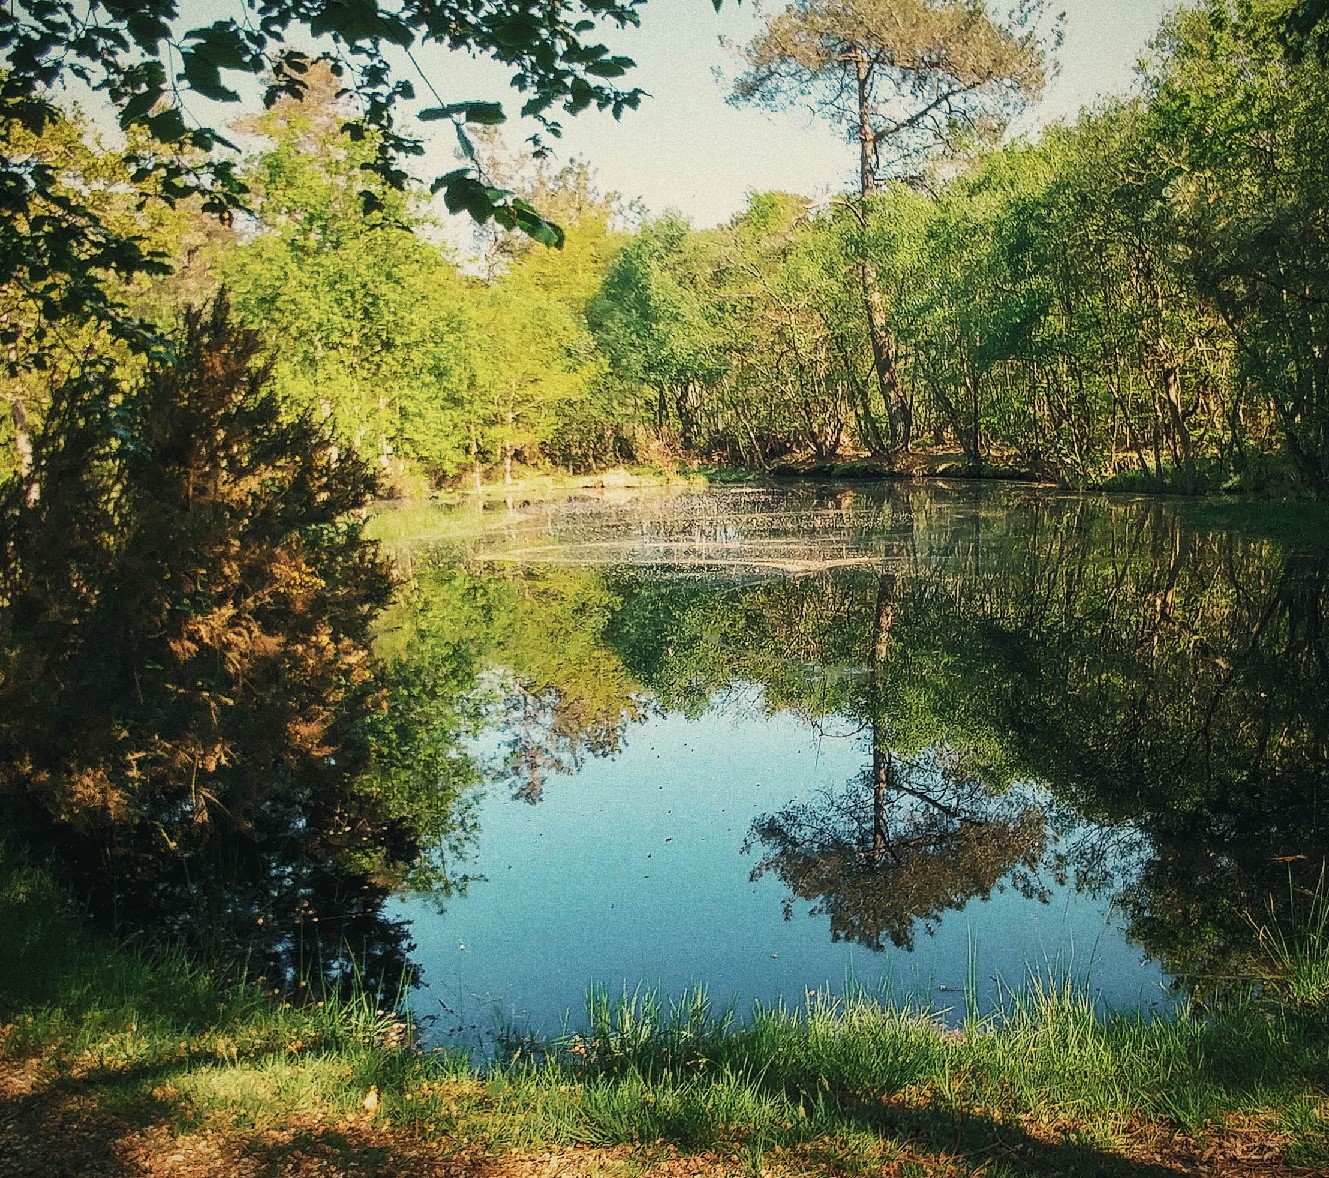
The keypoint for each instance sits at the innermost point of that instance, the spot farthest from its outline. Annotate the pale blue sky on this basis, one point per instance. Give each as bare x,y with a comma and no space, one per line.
687,149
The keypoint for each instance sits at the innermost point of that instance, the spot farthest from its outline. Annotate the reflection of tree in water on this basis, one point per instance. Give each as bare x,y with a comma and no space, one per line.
1163,679
880,861
551,730
563,692
915,838
1159,679
1219,757
519,653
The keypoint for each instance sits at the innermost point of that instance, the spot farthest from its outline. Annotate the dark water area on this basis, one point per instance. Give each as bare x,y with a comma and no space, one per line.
928,742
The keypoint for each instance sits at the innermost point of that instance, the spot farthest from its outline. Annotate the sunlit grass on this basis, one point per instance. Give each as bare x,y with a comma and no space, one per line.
1296,951
845,1084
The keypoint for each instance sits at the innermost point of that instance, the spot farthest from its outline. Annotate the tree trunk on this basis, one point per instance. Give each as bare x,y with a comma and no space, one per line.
507,443
867,135
1183,450
973,440
883,355
683,407
883,347
883,763
32,491
883,767
475,469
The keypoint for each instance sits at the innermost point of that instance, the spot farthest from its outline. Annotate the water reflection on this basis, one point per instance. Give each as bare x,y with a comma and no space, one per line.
882,858
1155,677
913,838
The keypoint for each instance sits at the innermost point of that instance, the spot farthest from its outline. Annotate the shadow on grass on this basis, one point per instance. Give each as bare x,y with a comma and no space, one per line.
77,1127
994,1147
112,1123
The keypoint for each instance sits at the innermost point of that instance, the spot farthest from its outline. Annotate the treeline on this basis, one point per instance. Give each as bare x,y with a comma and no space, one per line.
1136,299
369,322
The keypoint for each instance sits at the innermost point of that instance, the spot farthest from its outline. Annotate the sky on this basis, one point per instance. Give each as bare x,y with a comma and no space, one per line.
687,149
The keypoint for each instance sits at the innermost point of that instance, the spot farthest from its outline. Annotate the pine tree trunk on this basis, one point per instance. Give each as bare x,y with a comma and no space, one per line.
879,335
883,765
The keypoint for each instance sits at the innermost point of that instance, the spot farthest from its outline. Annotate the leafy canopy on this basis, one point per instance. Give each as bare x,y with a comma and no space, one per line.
149,63
152,62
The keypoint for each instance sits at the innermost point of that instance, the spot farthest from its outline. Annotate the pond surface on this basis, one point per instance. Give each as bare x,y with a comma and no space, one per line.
928,742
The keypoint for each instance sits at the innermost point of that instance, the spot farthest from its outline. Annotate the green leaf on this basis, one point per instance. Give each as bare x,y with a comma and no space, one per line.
147,29
204,77
139,105
168,126
611,67
488,113
539,229
222,43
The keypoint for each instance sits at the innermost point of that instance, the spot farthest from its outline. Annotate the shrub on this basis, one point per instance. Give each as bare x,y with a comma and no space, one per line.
184,653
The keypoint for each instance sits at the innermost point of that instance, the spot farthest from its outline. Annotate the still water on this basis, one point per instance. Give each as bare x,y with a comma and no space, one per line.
927,742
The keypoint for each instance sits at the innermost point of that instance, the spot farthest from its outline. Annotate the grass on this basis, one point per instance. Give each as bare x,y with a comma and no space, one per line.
143,1044
1295,951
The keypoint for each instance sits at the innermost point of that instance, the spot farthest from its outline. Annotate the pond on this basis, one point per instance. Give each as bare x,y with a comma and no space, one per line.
925,741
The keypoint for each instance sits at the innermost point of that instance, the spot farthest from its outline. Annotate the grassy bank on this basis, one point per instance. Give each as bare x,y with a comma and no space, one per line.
113,1062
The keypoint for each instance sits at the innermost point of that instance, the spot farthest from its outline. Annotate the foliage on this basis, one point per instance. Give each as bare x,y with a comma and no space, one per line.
1135,299
374,327
369,325
904,79
655,324
186,674
64,264
1249,197
128,54
900,77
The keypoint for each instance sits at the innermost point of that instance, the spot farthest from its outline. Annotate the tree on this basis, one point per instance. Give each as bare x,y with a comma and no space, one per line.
1304,27
540,369
129,51
184,653
56,252
368,324
1243,128
786,385
903,78
653,320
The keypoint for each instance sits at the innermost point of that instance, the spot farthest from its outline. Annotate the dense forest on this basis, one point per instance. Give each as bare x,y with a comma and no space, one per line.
215,365
1136,299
